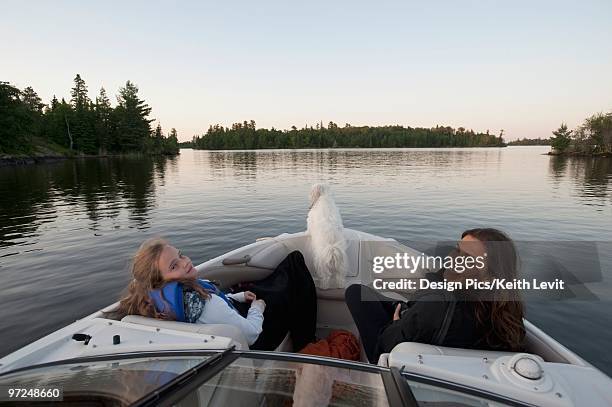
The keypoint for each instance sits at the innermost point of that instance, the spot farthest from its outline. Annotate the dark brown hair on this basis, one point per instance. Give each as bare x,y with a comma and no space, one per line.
504,311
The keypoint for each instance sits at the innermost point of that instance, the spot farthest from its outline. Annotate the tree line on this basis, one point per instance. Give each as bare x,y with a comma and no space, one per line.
530,142
80,125
245,135
593,136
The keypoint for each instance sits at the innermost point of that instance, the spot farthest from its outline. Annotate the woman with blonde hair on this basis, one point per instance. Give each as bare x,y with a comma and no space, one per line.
165,285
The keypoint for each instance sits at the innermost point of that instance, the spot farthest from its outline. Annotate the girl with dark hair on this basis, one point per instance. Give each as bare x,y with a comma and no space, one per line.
477,319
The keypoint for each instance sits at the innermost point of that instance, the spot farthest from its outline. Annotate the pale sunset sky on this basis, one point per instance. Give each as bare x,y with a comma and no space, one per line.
521,66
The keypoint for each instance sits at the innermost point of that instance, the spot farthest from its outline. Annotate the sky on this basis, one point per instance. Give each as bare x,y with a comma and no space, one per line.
521,66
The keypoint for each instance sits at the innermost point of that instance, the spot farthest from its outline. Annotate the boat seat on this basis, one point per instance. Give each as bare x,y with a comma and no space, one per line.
336,294
224,330
407,350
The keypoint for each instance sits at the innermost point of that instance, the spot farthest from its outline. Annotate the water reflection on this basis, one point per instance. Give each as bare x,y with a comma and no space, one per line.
99,188
591,177
102,189
248,163
24,201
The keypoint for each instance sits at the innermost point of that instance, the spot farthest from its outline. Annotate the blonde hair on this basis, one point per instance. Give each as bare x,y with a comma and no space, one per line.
147,276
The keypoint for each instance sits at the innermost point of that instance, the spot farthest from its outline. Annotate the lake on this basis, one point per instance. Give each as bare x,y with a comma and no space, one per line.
67,229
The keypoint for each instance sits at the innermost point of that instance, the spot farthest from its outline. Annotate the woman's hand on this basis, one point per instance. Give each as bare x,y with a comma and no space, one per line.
396,315
249,296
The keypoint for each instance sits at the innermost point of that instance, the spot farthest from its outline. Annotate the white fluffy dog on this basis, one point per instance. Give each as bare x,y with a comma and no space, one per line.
326,239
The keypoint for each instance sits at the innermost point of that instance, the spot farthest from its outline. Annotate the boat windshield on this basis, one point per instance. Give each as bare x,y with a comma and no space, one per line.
242,380
232,378
264,382
104,383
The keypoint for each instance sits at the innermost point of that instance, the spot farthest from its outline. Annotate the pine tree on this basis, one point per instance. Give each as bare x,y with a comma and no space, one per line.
54,103
32,100
133,126
102,122
158,140
171,143
56,121
15,121
562,139
79,99
34,105
82,124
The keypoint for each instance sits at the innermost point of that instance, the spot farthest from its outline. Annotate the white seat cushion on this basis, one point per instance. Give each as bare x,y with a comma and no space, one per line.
270,256
415,348
426,349
224,330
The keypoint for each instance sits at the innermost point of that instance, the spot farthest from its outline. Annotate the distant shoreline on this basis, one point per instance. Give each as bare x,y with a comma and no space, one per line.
8,160
579,154
337,148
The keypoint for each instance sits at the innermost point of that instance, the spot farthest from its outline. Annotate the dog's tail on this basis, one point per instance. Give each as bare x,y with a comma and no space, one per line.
332,264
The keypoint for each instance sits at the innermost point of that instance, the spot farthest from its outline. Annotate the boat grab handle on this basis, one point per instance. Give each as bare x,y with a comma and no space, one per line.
82,338
236,260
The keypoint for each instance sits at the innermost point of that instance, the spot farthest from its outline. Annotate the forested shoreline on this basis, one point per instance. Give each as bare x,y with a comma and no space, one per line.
246,135
80,126
530,142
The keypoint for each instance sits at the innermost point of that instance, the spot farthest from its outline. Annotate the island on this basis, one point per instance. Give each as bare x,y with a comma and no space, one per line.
246,136
591,139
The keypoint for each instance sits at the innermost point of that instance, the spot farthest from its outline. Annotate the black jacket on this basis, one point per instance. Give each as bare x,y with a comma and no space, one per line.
438,317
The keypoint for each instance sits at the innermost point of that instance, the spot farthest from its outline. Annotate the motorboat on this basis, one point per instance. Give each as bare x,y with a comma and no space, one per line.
141,361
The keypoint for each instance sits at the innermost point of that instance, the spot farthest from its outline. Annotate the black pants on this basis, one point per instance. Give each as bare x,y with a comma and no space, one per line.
372,312
291,304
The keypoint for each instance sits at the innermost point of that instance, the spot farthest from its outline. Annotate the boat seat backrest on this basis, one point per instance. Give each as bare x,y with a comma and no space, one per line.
270,256
223,330
263,260
227,276
303,245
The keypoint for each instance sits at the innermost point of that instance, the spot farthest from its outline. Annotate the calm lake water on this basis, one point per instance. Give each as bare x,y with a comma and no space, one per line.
67,229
